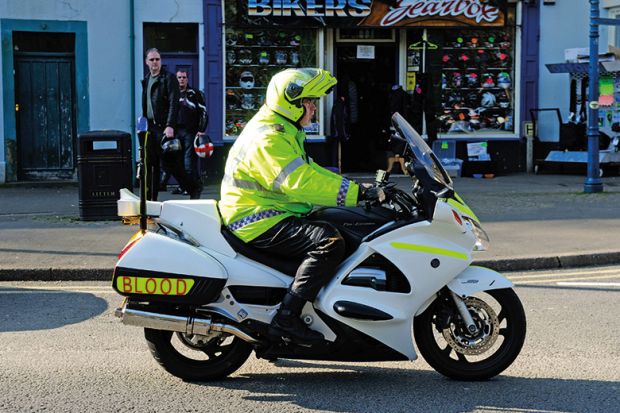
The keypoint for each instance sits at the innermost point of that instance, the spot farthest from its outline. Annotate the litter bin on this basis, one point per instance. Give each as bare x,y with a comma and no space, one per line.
104,167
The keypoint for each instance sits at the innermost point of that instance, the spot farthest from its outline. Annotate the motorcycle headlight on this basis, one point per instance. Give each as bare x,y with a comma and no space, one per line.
482,239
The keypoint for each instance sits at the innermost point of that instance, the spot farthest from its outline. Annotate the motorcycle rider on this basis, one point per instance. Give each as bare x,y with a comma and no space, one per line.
270,185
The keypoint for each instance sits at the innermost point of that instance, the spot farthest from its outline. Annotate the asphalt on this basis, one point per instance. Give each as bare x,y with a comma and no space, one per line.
534,222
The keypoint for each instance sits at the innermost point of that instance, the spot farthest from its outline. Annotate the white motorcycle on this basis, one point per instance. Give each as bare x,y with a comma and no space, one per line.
205,299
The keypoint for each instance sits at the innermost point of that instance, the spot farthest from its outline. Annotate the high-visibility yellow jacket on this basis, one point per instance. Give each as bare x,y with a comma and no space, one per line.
269,177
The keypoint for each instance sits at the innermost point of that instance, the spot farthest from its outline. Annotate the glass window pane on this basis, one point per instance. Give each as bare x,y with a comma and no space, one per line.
171,37
252,57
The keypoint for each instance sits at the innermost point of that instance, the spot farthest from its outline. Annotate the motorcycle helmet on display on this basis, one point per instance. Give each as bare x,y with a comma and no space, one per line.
264,39
453,100
231,57
481,58
263,58
472,79
294,57
231,128
503,100
457,80
232,101
503,80
295,40
458,42
282,39
463,59
248,101
487,80
502,59
244,56
249,39
444,81
473,42
246,80
489,41
472,99
289,87
203,146
281,57
488,100
231,39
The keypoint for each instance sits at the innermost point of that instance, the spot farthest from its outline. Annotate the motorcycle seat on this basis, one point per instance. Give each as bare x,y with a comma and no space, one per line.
286,265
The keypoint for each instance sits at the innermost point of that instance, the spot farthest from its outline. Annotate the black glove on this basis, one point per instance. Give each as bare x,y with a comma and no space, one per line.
369,192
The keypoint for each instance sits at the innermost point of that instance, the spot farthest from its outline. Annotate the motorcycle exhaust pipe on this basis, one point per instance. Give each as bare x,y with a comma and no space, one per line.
187,325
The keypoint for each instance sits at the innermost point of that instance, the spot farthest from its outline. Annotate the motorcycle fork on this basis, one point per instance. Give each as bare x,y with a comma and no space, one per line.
464,312
450,302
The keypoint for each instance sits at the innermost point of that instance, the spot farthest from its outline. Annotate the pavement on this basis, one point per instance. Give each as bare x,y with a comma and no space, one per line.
534,222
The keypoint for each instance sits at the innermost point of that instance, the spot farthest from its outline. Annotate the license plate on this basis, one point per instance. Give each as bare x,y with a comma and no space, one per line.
153,285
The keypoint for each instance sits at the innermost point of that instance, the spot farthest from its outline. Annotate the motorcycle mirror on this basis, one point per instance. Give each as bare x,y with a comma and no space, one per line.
142,125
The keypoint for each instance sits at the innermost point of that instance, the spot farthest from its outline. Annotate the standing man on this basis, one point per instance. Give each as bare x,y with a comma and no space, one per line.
191,107
160,100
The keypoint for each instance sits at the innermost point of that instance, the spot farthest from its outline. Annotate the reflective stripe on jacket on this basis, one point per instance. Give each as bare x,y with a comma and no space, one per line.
268,177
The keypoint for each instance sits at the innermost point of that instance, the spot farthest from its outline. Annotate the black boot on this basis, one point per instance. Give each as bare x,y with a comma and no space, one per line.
287,324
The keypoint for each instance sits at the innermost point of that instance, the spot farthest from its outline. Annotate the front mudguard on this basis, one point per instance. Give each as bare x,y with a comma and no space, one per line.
475,279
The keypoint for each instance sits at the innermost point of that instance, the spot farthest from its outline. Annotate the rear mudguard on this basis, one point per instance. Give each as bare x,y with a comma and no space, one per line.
475,279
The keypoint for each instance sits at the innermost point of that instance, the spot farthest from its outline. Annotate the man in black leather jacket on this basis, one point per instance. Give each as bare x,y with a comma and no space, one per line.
160,100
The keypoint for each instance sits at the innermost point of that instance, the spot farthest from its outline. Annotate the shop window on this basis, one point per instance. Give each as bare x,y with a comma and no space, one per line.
614,32
172,37
466,77
252,57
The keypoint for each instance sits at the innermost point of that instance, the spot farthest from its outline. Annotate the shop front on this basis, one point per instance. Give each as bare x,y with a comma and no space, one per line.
450,67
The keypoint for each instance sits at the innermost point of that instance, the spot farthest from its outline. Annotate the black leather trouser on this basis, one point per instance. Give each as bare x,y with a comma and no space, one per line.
319,244
172,163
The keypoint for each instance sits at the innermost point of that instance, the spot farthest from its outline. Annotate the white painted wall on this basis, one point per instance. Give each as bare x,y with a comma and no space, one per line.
562,26
109,52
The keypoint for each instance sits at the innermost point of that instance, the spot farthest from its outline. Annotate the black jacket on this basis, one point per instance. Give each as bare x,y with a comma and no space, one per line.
164,98
191,107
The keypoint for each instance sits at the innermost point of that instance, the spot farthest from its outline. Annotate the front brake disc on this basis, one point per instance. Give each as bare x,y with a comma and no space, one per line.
487,323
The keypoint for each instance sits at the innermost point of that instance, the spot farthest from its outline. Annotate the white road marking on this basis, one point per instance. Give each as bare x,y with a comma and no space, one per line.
560,273
587,284
550,280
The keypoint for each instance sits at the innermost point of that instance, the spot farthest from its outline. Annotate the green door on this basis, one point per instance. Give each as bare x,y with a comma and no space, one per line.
45,116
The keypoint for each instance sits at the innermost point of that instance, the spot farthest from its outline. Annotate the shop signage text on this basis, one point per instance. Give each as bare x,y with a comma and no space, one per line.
476,10
310,8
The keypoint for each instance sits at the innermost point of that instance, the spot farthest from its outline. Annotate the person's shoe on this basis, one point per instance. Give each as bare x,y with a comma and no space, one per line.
177,191
195,194
287,325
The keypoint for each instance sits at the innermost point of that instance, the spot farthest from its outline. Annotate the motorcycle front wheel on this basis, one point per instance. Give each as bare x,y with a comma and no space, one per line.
197,358
447,345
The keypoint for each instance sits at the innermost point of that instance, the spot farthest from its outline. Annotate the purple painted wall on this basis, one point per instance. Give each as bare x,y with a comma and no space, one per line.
529,59
214,89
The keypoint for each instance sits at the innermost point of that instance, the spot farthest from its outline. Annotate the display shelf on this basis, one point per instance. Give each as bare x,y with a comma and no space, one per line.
475,88
259,65
239,46
472,48
247,88
478,69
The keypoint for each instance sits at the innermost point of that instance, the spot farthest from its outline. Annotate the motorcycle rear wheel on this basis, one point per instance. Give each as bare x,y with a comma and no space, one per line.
193,360
442,338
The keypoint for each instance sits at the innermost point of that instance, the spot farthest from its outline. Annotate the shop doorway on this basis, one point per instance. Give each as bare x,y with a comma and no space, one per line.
366,84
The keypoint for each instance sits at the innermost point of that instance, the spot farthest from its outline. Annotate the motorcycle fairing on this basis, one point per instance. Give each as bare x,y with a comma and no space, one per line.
435,248
475,279
155,286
